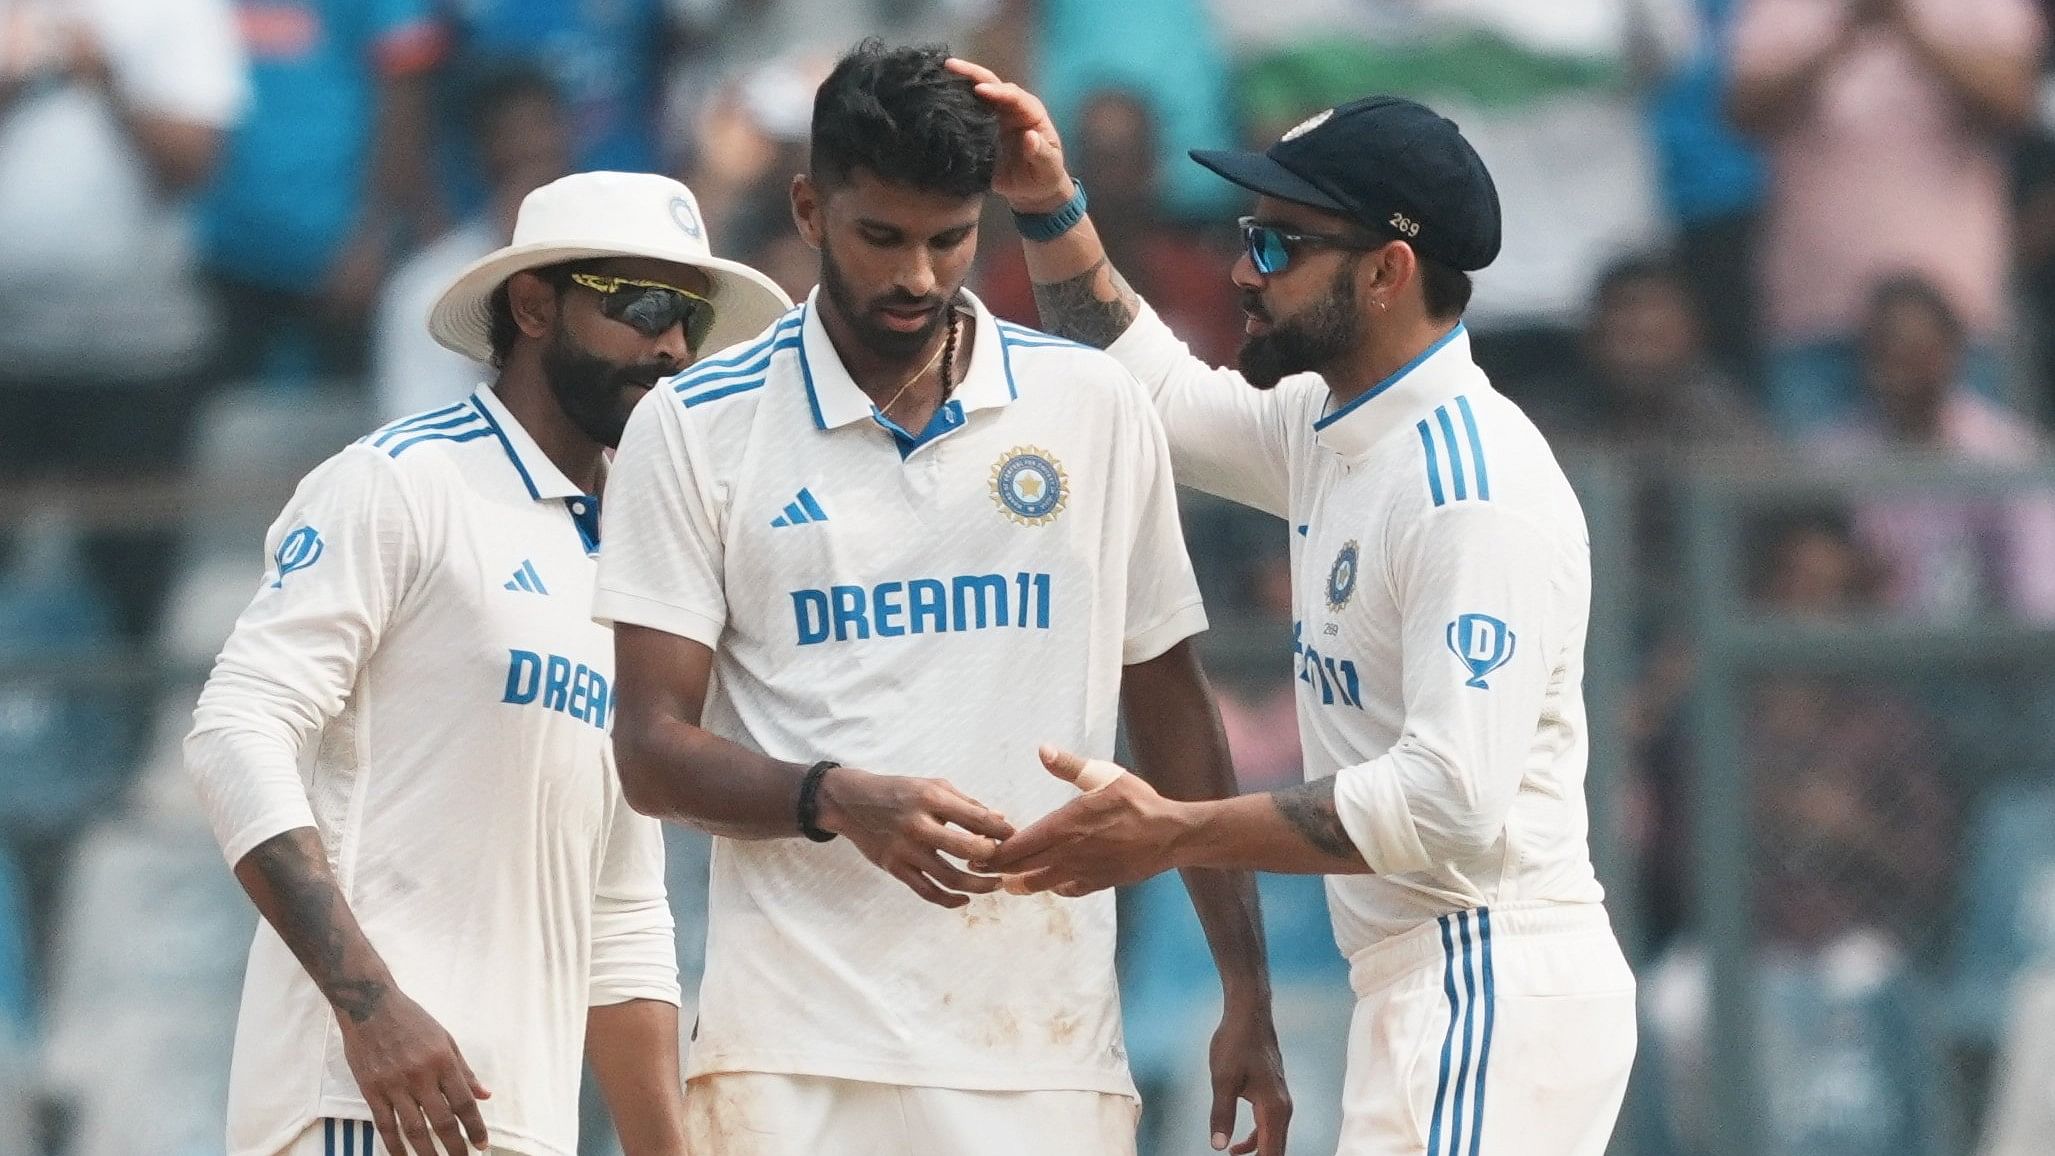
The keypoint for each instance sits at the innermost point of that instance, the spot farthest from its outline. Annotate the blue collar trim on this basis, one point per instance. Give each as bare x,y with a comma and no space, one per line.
1394,379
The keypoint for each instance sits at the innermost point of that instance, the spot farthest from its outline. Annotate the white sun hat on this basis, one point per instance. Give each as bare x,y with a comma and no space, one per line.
587,215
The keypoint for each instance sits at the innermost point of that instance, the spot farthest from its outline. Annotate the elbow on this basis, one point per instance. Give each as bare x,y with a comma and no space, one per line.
641,786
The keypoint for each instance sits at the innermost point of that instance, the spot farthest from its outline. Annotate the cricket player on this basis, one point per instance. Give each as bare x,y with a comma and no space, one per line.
403,746
856,569
1441,586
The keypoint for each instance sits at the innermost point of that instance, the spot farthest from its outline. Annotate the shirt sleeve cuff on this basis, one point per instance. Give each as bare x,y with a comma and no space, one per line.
252,834
622,990
1149,642
1146,345
1372,808
612,607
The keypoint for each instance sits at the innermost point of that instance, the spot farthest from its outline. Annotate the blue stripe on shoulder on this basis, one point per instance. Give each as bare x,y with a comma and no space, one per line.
745,385
1021,335
463,435
1476,447
413,420
787,326
468,417
699,377
1433,464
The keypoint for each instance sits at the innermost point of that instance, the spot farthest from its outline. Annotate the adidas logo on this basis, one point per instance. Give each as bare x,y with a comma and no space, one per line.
526,579
801,510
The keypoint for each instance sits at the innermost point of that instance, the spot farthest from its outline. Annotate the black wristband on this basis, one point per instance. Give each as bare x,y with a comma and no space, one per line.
809,807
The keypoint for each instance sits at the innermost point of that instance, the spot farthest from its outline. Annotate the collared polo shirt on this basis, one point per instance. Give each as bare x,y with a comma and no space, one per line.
1440,593
419,679
932,603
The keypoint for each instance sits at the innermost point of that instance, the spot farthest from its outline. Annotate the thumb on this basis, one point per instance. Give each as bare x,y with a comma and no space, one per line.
1083,773
1222,1116
1061,763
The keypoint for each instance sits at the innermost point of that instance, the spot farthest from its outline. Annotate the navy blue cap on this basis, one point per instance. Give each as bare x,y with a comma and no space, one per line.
1394,166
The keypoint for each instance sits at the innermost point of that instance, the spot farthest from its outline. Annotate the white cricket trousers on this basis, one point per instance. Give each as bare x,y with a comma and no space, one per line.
1490,1032
773,1114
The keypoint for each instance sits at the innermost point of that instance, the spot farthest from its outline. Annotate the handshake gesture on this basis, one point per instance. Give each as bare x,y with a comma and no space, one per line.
1117,831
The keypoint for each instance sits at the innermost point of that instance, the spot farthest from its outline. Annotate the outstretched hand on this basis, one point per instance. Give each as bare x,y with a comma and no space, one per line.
1119,831
1030,176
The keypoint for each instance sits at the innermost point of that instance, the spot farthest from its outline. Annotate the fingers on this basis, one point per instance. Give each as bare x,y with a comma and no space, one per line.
459,1088
436,1104
926,888
1029,850
977,73
414,1126
1273,1121
953,806
387,1124
956,879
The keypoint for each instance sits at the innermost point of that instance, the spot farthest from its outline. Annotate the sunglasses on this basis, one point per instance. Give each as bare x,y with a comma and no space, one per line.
1271,248
651,307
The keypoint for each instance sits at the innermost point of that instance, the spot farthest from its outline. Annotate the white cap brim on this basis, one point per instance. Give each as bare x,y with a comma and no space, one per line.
745,301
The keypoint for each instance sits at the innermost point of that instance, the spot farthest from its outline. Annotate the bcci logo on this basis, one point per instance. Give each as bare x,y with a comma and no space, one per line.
687,217
301,549
1029,486
1341,577
1482,643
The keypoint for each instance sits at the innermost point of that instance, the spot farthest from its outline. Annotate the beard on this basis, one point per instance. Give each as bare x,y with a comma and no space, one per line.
862,316
597,394
1323,333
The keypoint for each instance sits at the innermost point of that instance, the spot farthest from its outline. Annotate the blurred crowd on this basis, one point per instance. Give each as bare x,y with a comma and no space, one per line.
1775,234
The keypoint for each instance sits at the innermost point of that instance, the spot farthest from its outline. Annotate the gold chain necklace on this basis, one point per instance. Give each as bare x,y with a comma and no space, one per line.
947,341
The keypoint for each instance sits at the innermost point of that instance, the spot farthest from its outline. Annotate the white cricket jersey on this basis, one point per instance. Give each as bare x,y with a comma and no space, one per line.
1441,583
419,677
933,605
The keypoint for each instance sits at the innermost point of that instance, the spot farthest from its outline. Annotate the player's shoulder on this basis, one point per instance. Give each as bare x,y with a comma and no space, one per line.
1038,362
1476,450
437,451
729,385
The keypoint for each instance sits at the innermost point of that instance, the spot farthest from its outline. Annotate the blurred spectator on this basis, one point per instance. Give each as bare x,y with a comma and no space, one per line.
1888,124
1712,180
1166,54
324,179
1854,838
1115,149
520,140
1948,555
1550,95
1649,382
1855,827
111,112
607,60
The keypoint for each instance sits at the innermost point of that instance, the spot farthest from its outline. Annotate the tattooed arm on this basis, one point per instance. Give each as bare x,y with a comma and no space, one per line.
408,1068
288,878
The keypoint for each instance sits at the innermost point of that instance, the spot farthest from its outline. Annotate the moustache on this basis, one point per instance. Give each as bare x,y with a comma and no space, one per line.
1252,304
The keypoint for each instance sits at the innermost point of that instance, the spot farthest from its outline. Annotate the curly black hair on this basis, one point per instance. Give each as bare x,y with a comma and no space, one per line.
900,114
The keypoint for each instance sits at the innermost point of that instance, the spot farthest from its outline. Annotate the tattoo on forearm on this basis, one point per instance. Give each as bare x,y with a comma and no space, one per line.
1309,808
1081,310
306,906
